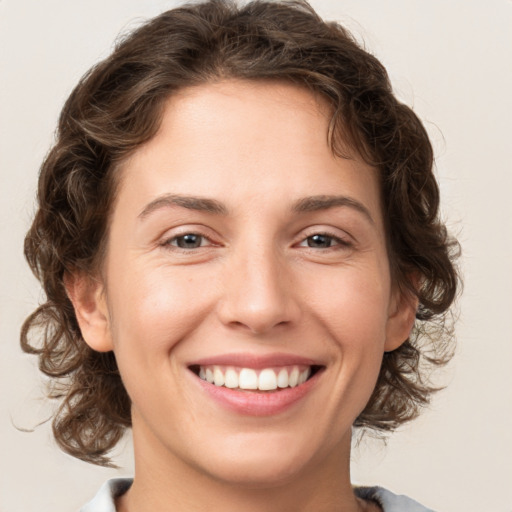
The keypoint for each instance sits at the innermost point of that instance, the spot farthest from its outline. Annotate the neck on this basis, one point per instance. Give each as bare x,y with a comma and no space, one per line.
164,481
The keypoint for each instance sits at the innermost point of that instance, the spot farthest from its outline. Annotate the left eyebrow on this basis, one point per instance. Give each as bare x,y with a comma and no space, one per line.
202,204
325,202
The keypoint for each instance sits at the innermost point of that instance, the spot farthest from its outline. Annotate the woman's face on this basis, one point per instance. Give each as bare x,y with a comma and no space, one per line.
241,250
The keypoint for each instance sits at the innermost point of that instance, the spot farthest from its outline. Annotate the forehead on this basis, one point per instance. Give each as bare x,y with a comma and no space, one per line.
239,118
239,141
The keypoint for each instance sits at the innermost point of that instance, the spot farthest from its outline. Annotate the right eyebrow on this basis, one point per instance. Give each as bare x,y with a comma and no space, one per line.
202,204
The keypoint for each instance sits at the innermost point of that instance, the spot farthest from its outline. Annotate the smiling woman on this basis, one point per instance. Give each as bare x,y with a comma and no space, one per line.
239,241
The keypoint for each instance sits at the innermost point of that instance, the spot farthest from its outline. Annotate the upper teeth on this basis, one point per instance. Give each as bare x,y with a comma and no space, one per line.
266,379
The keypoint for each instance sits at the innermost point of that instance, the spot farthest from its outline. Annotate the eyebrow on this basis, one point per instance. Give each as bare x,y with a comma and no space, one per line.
325,202
190,202
303,205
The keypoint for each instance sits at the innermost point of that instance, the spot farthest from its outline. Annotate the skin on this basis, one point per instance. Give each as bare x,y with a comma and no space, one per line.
258,283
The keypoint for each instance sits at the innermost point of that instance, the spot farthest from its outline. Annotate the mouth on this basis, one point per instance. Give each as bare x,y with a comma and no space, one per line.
256,385
265,380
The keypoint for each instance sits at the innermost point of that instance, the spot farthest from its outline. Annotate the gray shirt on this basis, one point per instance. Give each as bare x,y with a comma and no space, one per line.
104,500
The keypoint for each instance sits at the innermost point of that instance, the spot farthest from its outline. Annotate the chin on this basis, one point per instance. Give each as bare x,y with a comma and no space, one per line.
257,474
262,464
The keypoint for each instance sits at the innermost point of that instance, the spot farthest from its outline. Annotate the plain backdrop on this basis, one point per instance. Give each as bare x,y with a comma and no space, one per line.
450,60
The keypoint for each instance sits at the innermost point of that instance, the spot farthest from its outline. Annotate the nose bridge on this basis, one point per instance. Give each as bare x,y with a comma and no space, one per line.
259,293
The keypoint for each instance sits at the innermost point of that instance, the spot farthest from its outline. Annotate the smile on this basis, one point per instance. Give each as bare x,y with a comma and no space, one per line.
264,379
256,385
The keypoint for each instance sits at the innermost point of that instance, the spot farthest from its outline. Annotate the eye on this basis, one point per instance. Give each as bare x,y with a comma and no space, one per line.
323,241
320,241
188,241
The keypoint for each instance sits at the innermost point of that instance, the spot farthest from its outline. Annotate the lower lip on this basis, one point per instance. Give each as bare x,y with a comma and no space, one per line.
253,403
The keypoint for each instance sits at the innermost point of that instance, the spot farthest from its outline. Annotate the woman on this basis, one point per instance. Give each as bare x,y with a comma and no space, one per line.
238,237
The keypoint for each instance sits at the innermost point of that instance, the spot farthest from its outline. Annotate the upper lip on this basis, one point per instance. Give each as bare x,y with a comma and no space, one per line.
244,360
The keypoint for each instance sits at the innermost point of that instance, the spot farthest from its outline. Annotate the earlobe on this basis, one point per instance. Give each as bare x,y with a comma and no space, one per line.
401,320
89,302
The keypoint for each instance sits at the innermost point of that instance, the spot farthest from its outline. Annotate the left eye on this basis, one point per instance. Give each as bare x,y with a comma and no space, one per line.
188,241
321,241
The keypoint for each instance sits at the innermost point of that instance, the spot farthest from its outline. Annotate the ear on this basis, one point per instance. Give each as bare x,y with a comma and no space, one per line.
401,319
89,301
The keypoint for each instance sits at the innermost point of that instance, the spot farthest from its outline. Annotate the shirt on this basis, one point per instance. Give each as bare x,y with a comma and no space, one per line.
104,500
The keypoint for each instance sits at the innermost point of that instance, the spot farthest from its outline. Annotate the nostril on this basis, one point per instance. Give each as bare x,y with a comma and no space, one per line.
257,305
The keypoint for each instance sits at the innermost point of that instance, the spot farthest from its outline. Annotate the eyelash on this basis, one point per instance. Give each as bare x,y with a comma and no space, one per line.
339,243
336,243
170,241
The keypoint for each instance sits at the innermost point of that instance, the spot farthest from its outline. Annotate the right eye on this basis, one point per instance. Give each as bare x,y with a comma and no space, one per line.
188,241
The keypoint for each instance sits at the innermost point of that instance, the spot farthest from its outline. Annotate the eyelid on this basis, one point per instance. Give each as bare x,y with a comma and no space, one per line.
175,233
176,237
342,237
337,243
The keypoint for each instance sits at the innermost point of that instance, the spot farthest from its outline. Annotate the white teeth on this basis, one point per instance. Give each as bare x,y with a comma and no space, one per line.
231,378
248,379
218,376
303,376
282,378
267,379
293,379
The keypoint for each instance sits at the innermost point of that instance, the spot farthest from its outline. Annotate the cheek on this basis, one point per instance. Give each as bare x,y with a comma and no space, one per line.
353,304
153,309
355,315
152,312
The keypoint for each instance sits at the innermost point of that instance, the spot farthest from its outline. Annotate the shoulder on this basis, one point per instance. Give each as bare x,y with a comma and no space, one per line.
390,502
104,501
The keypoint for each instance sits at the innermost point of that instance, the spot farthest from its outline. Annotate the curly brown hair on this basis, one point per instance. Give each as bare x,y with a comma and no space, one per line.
117,106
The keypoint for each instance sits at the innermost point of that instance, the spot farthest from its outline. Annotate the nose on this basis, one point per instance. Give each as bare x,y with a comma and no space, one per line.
258,292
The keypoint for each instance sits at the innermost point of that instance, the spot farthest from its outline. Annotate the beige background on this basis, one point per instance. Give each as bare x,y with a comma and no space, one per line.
452,60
